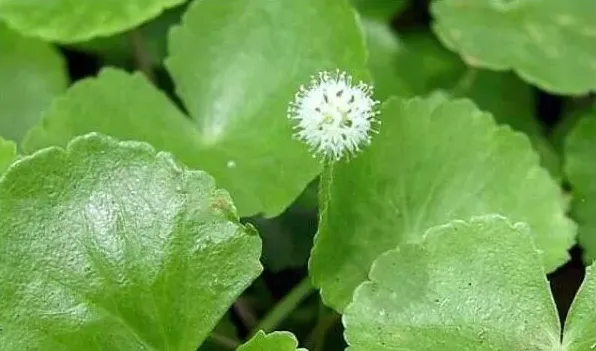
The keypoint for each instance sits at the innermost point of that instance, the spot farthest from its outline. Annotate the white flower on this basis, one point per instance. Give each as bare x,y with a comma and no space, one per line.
333,116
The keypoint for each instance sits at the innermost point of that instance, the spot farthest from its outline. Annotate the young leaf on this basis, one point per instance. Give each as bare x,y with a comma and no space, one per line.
32,73
579,332
433,161
67,22
476,285
109,246
580,168
537,39
276,341
8,153
237,65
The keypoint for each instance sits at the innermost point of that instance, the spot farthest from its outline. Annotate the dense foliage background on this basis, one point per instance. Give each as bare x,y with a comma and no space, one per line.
480,181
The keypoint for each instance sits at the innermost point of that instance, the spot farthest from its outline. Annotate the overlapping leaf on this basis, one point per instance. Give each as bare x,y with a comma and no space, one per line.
32,73
236,65
276,341
433,161
70,21
476,285
538,39
580,168
108,245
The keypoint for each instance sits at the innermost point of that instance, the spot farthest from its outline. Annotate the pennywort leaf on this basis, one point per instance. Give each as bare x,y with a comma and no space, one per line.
537,39
110,245
433,161
239,101
491,295
66,21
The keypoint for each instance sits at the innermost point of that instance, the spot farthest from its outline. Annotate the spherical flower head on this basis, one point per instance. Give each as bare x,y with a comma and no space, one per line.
333,116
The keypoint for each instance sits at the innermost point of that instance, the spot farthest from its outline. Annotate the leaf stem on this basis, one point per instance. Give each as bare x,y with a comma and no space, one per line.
225,341
326,320
245,313
465,82
141,55
288,304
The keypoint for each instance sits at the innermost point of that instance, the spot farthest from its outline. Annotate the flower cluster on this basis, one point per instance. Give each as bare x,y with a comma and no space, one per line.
333,116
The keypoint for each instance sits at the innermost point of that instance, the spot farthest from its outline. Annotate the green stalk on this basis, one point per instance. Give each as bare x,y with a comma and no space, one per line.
285,307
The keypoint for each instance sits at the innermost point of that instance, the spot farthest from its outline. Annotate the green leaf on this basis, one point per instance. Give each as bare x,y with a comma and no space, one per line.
475,285
239,133
433,161
276,341
537,39
580,334
122,105
121,249
580,169
8,153
32,73
251,57
67,22
415,64
379,9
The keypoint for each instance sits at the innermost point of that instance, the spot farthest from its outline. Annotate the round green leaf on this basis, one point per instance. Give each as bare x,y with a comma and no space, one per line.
475,285
237,64
580,168
8,153
32,73
433,161
538,39
580,334
67,21
109,246
276,341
